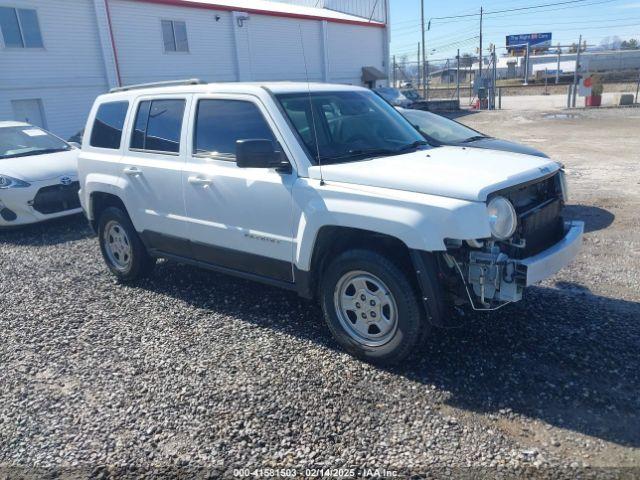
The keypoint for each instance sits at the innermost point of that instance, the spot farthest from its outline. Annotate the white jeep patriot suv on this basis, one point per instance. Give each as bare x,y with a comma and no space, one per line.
322,189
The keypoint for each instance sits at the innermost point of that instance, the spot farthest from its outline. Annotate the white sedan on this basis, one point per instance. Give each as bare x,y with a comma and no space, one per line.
38,175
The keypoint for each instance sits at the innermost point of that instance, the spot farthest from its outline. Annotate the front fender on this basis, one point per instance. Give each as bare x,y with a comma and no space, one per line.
421,222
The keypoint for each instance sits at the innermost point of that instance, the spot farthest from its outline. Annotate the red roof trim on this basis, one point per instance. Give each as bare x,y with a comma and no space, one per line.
113,43
211,6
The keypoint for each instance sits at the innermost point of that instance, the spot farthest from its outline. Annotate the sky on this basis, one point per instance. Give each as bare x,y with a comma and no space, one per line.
594,19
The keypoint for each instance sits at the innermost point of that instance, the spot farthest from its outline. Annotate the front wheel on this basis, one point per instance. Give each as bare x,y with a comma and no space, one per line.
371,307
121,247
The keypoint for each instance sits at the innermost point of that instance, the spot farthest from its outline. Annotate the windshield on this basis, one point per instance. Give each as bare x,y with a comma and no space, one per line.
439,128
348,126
392,95
412,95
28,140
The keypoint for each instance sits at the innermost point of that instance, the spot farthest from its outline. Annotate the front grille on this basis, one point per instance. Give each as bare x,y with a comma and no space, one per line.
540,223
541,227
57,198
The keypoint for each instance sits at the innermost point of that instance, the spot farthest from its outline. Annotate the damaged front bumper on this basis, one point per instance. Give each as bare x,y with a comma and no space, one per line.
495,277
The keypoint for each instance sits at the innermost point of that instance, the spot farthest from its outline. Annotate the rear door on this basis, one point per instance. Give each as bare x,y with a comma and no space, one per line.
239,218
155,153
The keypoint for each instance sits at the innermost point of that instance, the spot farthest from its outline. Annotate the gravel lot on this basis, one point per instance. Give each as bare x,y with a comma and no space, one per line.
203,373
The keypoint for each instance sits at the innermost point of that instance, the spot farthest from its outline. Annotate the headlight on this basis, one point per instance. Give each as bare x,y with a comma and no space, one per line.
564,188
10,182
502,218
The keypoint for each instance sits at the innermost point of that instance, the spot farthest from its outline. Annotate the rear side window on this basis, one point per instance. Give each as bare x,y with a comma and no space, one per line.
108,125
158,126
220,123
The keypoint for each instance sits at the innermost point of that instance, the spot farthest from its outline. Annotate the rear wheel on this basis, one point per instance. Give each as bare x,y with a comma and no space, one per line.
122,249
371,307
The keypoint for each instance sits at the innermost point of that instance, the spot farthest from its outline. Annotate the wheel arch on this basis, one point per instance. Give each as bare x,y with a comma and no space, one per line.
332,240
420,266
99,201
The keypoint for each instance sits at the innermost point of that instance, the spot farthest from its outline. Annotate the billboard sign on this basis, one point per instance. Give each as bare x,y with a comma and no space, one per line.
536,41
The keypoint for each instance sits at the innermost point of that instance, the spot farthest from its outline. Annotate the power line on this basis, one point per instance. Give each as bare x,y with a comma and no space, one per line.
511,9
547,24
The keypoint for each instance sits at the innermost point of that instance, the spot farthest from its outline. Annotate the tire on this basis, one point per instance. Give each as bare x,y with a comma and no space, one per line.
343,294
121,247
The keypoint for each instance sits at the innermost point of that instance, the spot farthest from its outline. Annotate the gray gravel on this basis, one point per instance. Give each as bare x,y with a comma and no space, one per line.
199,373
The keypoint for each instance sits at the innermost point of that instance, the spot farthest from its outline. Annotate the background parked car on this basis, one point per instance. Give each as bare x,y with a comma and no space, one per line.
409,98
439,130
38,175
394,96
76,140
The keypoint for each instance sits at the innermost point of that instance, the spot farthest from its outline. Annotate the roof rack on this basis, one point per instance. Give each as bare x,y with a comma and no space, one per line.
169,83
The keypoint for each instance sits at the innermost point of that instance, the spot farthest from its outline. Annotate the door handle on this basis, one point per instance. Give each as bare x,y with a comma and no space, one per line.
133,171
200,181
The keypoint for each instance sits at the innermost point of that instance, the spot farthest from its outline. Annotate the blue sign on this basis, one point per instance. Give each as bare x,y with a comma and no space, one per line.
536,41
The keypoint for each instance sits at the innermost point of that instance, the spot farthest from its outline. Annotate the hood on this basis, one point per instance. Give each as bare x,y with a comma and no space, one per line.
455,172
505,145
41,167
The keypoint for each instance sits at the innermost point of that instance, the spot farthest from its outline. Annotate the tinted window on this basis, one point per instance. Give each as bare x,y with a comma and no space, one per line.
220,123
10,27
439,128
168,37
20,28
107,128
180,32
158,126
174,36
350,125
30,28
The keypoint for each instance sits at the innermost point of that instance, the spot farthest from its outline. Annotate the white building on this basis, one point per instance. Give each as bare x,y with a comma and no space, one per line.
57,56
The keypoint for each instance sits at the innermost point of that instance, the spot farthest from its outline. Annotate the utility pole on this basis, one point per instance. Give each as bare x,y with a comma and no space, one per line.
480,62
426,67
526,66
558,67
418,68
458,78
575,74
424,77
394,77
495,77
637,87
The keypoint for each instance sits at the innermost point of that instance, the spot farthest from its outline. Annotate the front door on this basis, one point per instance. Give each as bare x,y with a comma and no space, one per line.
238,218
152,170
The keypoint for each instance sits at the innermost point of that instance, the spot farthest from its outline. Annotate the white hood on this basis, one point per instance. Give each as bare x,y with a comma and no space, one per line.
41,167
455,172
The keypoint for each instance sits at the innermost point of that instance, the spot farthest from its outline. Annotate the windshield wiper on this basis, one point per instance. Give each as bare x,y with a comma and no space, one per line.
373,152
412,146
36,152
474,138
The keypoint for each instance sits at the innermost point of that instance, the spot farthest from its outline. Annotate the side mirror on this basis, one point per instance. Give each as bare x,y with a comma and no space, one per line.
75,144
259,154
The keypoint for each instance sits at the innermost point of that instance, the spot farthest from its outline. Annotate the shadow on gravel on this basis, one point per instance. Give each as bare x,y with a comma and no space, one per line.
568,358
595,218
52,232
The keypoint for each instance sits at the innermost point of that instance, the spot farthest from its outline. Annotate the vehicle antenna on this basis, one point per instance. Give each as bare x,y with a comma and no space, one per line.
313,118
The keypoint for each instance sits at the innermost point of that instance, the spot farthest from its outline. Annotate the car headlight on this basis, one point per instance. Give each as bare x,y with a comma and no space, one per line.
10,182
564,187
503,220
